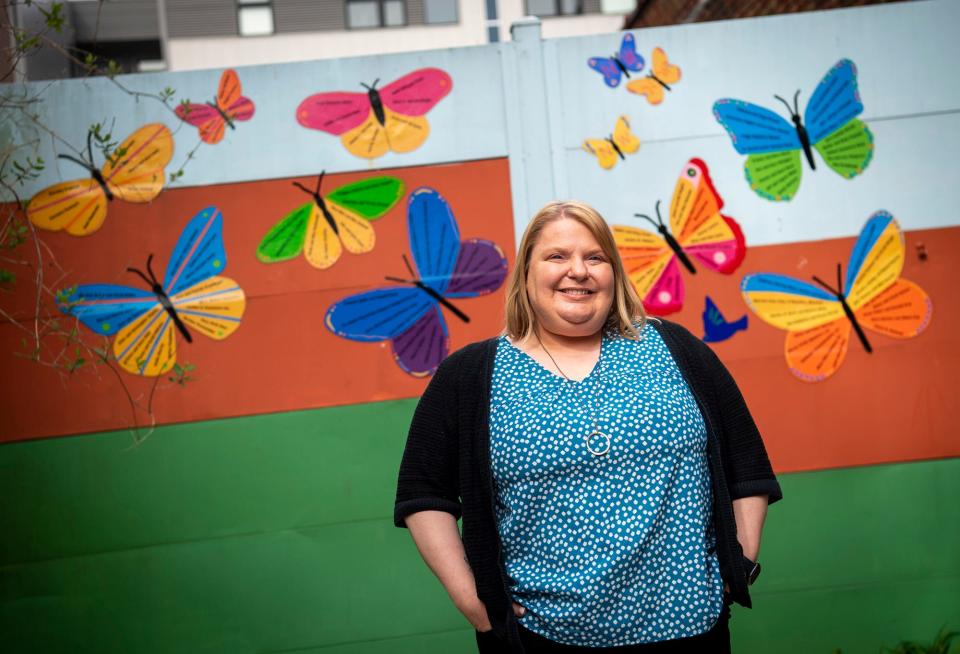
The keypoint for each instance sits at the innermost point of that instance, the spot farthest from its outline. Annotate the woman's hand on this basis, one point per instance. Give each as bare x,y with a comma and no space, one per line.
476,613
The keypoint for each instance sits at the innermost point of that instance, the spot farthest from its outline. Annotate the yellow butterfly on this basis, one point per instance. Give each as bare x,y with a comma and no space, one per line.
621,142
134,175
659,79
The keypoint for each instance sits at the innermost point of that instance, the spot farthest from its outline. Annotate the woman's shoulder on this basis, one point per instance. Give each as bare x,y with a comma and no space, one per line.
470,356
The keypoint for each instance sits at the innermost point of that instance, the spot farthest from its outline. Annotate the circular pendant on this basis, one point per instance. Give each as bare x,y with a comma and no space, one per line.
598,443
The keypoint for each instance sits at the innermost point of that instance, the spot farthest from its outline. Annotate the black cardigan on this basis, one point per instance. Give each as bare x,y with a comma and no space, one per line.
446,463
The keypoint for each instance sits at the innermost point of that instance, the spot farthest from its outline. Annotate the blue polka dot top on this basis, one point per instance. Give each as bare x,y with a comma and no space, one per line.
605,550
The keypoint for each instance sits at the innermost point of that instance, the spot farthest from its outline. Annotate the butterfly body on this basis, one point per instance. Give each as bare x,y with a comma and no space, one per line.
444,268
618,65
819,319
830,125
192,293
697,230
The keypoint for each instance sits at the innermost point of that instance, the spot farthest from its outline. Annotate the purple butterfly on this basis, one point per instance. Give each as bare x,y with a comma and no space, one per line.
409,316
612,68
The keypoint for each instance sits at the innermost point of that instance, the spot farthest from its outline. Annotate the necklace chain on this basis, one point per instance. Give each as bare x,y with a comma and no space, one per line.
595,433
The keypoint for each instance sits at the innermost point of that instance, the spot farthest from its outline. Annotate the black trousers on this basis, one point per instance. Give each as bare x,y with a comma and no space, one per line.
715,641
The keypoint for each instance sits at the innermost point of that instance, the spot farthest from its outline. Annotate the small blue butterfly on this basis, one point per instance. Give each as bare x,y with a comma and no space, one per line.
614,67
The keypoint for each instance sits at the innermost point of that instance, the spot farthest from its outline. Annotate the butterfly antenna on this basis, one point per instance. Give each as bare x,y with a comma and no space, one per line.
825,285
645,216
89,147
142,276
319,182
659,219
839,282
302,187
796,106
406,262
150,270
785,104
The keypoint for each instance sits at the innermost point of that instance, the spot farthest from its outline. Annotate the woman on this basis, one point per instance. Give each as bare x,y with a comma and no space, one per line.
611,481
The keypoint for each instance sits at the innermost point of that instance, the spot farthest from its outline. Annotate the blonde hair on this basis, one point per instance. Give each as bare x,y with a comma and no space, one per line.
626,311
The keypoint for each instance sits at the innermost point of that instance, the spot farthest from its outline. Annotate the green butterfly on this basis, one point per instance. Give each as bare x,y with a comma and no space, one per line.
321,228
773,145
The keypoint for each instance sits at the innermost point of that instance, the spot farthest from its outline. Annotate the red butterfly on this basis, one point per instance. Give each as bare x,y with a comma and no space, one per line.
212,118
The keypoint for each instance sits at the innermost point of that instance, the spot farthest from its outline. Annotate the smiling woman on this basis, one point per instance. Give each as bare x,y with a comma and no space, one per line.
611,481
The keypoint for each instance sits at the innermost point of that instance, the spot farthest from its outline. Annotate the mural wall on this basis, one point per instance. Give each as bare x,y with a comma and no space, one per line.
274,262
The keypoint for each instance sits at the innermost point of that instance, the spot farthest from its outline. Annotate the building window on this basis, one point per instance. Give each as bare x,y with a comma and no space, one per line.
376,13
255,17
554,7
437,12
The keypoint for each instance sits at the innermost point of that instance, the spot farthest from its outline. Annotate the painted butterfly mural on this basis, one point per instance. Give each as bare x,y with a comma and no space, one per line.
697,230
818,319
135,173
323,227
716,328
773,146
618,65
145,322
445,269
618,144
658,80
381,120
213,118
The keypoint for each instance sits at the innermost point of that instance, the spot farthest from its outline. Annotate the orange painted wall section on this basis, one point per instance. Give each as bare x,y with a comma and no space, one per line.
282,357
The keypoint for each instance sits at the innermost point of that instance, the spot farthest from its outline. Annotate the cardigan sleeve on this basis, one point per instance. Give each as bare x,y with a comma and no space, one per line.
429,478
745,458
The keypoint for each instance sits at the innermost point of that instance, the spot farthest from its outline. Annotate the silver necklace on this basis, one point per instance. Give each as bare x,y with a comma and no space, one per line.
597,442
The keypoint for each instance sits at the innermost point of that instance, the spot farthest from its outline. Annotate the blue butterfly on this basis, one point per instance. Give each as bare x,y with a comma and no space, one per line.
614,67
715,326
830,126
145,322
409,316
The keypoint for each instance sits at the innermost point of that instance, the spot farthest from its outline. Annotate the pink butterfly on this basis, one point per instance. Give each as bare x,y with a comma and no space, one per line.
213,118
373,123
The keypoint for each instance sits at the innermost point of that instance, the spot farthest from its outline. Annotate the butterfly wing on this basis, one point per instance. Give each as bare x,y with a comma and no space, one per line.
285,240
378,315
353,207
774,175
136,173
213,307
629,56
626,140
844,142
79,207
697,224
107,308
199,253
647,87
335,113
480,269
416,93
753,129
368,140
434,237
147,346
849,150
405,133
230,97
652,268
608,68
424,345
879,298
663,69
322,247
603,151
205,118
818,330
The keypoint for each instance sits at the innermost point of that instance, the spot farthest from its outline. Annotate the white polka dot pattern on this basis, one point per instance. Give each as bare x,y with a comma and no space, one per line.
611,550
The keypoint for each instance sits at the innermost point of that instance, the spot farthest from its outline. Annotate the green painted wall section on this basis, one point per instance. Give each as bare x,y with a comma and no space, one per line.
274,534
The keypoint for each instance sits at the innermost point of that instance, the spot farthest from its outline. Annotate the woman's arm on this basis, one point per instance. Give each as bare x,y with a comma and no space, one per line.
438,539
749,514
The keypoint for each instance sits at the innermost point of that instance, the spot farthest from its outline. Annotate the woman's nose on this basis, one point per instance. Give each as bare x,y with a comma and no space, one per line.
578,269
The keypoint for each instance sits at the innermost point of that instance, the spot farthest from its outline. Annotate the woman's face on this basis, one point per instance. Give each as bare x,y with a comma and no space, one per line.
570,280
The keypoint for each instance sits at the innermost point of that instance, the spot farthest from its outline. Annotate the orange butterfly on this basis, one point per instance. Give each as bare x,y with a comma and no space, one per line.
213,118
659,79
134,174
818,320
